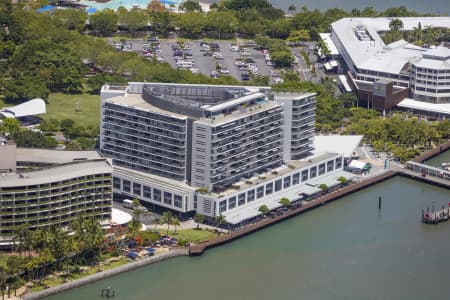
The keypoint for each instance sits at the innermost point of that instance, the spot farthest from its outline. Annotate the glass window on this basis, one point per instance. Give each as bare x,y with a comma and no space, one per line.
295,178
232,202
338,163
136,188
168,198
330,165
147,192
287,181
126,186
250,195
313,172
241,199
157,195
260,192
278,185
177,201
116,183
222,206
269,188
304,175
321,169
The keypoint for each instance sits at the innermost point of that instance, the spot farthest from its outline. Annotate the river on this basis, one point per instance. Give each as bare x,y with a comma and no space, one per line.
344,250
432,6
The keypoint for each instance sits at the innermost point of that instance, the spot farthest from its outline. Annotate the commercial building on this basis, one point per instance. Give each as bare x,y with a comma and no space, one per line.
423,72
51,187
186,147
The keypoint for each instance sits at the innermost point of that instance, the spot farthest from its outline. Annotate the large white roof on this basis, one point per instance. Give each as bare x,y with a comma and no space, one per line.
441,108
373,54
29,108
341,144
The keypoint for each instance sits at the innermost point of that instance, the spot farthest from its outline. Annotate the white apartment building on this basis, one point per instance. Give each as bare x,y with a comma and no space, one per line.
185,147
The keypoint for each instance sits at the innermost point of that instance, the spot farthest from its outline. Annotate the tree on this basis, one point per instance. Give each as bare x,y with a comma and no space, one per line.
220,220
22,238
396,25
175,223
221,21
72,19
190,5
342,179
291,9
263,209
282,58
191,23
166,218
300,35
198,218
323,186
133,20
10,125
285,202
104,22
156,6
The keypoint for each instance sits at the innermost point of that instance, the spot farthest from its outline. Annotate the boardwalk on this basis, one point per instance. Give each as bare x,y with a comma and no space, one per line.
200,248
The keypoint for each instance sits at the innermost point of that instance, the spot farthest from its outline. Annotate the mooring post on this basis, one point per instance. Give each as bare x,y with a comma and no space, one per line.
379,203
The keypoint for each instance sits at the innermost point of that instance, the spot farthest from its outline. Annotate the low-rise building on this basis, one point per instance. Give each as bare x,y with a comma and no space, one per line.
53,188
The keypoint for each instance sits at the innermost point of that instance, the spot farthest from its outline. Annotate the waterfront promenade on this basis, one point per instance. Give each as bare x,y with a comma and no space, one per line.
104,274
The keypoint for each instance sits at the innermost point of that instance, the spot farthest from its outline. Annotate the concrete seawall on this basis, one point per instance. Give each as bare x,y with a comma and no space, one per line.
329,197
433,152
108,273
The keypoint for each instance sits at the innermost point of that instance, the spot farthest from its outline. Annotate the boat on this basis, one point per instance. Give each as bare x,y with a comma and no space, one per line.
445,166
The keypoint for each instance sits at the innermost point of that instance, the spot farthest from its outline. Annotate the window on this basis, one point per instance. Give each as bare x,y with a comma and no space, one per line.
313,172
126,186
222,206
195,201
295,178
287,182
168,198
157,195
304,175
232,202
116,183
321,169
177,201
278,185
241,199
260,192
136,189
338,163
330,165
269,188
147,192
250,195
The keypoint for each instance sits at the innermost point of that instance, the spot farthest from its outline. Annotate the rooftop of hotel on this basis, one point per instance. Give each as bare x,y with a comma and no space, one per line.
275,173
46,156
56,173
367,50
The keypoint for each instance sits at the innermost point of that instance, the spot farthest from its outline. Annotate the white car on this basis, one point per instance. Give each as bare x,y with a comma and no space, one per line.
224,71
234,48
218,55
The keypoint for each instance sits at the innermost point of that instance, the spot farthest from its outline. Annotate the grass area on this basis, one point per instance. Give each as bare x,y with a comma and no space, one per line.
82,108
57,280
306,58
192,235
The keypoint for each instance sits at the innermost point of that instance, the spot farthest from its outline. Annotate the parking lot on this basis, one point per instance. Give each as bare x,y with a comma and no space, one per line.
224,64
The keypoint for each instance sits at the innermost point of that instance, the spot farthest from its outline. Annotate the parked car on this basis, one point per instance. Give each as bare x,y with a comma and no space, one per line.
214,74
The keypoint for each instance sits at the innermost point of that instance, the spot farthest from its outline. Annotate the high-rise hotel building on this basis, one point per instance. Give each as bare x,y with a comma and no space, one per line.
184,147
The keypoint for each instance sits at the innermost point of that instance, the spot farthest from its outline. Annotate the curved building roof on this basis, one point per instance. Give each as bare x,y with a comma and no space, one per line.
29,108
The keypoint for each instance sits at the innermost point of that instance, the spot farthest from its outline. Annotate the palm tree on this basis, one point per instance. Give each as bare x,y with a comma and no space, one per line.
175,223
22,239
198,218
166,218
396,25
3,278
285,202
263,209
292,9
220,220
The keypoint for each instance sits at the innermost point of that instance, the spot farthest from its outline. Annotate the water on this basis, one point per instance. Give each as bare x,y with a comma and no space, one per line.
344,250
437,160
432,6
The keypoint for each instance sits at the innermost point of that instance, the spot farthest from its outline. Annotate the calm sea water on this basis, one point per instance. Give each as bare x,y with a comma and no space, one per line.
436,161
345,250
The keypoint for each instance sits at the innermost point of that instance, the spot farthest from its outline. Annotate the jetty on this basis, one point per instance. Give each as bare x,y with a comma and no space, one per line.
427,174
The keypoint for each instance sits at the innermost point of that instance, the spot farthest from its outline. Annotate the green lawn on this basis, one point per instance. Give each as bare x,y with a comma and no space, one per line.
192,235
82,108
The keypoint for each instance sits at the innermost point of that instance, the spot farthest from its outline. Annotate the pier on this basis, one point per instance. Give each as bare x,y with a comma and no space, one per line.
428,174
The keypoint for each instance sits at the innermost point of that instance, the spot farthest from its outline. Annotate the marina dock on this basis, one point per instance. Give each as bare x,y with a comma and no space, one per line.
435,217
